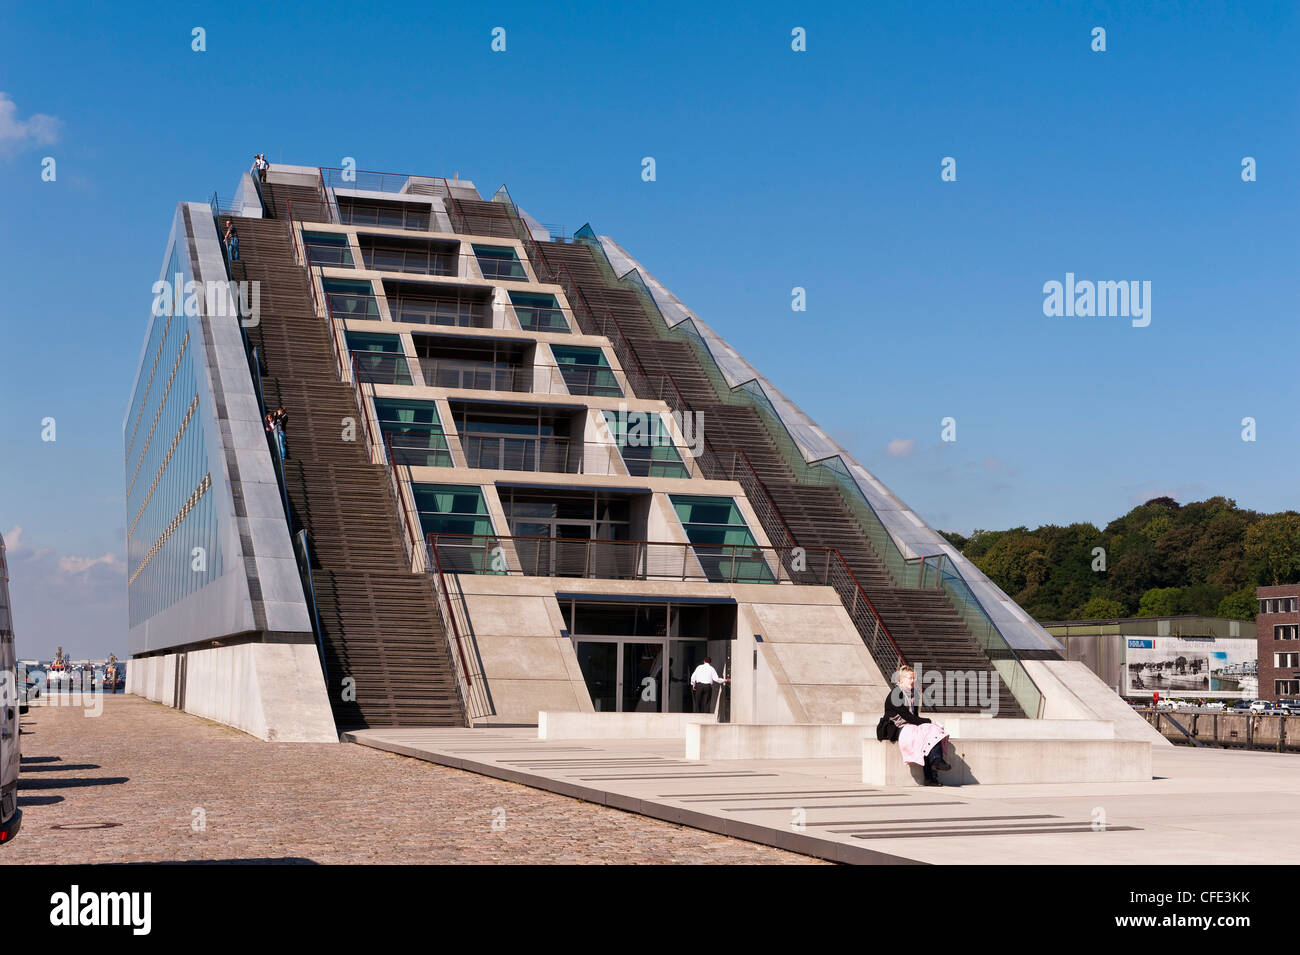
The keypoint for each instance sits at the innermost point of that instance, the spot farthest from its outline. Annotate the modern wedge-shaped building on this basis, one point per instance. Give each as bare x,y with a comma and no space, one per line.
519,476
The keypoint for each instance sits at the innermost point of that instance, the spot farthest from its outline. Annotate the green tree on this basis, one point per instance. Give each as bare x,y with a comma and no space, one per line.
1273,548
1100,608
1160,602
1239,605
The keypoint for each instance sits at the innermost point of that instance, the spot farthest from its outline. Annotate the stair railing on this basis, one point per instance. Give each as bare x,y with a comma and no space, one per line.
987,634
475,697
471,702
866,618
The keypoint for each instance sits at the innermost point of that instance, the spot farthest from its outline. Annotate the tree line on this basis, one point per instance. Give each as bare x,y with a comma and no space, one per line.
1159,559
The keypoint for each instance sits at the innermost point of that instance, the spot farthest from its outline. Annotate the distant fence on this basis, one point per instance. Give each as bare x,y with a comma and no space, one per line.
1233,730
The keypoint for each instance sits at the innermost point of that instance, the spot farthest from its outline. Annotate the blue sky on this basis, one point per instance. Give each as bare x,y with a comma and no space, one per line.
775,169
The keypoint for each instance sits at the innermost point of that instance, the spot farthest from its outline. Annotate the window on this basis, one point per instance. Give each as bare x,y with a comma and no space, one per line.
328,248
517,438
1285,631
456,509
721,540
560,534
499,262
1286,688
1278,604
428,303
413,433
538,312
585,371
646,445
378,359
392,254
346,298
1286,660
391,215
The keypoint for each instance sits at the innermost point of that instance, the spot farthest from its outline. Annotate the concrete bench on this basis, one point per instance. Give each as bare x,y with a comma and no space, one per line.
551,725
992,761
775,740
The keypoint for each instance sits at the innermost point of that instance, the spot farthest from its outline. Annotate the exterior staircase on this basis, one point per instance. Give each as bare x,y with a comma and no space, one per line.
388,662
924,624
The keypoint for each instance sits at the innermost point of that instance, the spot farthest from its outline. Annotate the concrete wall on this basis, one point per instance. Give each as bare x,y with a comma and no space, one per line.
1015,761
551,725
809,666
812,663
274,691
1071,692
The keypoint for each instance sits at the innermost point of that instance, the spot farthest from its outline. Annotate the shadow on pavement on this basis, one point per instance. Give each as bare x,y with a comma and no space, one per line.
282,860
60,767
26,782
38,800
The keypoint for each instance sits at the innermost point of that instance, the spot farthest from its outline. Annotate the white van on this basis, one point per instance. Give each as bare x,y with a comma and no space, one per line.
10,817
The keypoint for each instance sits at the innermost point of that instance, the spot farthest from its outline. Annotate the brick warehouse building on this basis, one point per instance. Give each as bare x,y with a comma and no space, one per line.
1278,626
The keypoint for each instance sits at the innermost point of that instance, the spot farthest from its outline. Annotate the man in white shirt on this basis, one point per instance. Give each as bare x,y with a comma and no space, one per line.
702,681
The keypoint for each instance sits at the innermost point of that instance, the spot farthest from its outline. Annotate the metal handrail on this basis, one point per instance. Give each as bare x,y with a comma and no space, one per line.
633,367
411,537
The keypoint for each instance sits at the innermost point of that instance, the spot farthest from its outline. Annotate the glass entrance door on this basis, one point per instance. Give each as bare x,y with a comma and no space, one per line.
643,677
599,663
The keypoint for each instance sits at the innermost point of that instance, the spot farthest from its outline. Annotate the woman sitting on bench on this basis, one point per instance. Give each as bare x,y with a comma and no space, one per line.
919,740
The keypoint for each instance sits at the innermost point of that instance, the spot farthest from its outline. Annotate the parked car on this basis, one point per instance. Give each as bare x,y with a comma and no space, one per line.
10,815
1242,706
1288,707
1216,705
1261,706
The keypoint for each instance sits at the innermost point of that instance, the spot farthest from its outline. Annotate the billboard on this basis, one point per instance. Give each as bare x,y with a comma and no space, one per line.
1221,668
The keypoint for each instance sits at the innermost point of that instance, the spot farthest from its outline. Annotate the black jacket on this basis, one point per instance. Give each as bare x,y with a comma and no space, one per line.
886,729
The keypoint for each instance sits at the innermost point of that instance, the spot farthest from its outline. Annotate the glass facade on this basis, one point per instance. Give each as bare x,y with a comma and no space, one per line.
456,509
379,359
646,445
721,539
328,248
413,433
538,312
499,262
173,547
348,298
585,371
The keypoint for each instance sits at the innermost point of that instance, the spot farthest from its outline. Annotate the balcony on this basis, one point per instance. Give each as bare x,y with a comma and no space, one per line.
431,304
414,256
388,215
608,559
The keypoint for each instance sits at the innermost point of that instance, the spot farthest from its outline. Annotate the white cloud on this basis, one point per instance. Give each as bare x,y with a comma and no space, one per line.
901,447
14,538
79,565
17,134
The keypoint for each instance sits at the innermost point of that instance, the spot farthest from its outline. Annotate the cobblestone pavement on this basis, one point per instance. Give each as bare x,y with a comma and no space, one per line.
155,772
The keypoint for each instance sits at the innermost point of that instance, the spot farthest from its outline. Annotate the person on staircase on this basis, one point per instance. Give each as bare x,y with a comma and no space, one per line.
232,240
276,423
920,741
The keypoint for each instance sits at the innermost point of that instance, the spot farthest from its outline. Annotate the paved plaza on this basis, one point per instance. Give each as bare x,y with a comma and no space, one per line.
125,787
1203,806
146,783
